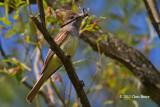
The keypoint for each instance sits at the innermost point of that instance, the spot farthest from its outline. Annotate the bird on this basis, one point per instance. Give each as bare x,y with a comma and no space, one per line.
67,40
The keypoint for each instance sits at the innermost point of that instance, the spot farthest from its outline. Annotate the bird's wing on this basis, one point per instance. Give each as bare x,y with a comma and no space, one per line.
59,39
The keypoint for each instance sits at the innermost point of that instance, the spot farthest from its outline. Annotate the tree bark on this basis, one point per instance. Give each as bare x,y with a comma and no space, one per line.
131,58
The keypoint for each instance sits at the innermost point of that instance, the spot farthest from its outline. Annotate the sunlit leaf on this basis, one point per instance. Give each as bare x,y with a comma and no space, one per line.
16,15
6,7
10,33
17,62
74,7
108,102
123,90
101,38
3,72
17,70
19,26
5,21
1,4
75,104
30,29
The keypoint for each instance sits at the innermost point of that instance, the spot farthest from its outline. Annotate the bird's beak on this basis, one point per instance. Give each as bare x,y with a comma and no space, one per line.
84,13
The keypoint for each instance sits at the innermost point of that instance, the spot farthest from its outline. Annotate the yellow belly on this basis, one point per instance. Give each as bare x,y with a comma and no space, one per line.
70,45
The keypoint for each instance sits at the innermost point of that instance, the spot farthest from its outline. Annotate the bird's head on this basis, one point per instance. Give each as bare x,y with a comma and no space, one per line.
73,18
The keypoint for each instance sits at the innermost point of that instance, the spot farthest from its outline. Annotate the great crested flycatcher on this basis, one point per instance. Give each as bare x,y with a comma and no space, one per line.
67,40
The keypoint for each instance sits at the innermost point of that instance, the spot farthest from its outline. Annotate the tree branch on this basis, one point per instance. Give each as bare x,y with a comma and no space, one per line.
64,59
134,60
114,48
153,13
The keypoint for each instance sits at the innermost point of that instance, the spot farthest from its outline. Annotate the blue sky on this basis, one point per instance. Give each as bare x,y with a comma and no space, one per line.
97,7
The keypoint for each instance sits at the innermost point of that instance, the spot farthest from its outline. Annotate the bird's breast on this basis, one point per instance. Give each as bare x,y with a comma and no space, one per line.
70,45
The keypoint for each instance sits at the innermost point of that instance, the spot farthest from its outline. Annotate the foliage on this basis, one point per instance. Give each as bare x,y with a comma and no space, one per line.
103,76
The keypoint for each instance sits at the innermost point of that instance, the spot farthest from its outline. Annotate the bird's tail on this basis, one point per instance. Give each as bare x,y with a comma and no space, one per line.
35,89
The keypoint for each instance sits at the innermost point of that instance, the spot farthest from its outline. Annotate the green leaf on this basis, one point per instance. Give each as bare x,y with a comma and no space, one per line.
17,62
102,37
19,27
74,7
5,21
1,4
16,15
10,33
19,76
6,7
123,90
51,20
108,102
3,73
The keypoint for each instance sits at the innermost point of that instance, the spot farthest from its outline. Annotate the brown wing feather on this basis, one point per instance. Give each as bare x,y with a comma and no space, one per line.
59,39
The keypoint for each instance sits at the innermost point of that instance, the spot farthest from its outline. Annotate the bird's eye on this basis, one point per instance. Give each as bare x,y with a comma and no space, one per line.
71,17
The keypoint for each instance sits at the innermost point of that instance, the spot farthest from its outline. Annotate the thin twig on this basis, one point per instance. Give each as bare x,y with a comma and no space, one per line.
4,54
46,97
69,95
152,9
39,47
2,51
58,93
42,14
